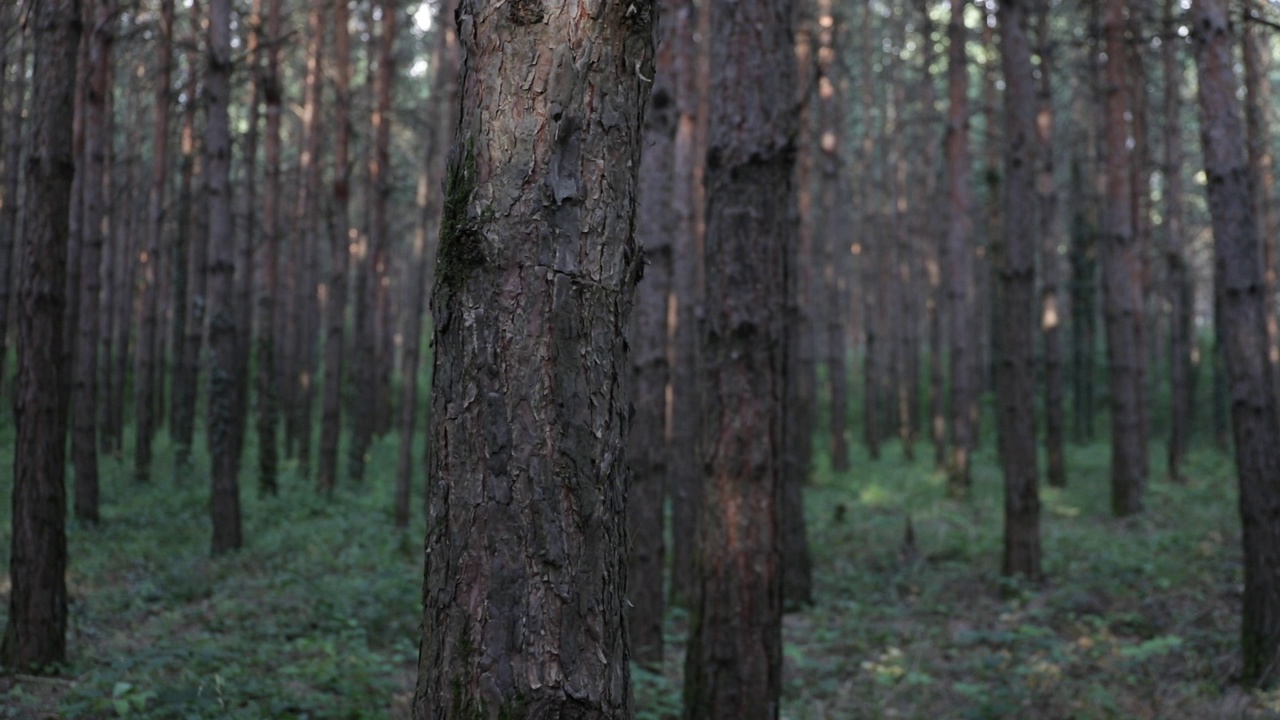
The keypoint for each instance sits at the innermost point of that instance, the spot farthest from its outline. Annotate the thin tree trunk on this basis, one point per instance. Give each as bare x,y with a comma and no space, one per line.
224,425
958,258
267,420
35,631
1239,285
84,438
934,235
379,233
833,224
734,660
529,409
1016,379
1177,284
113,261
1051,309
16,91
1257,82
189,280
247,230
339,253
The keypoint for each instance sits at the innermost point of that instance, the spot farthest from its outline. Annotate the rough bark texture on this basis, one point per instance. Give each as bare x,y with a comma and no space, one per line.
1178,280
684,472
1242,329
1121,277
734,661
1051,310
339,253
35,633
223,420
959,259
1016,370
525,583
84,389
647,452
268,385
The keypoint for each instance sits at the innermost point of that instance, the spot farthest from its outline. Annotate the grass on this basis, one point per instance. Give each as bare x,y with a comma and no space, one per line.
318,616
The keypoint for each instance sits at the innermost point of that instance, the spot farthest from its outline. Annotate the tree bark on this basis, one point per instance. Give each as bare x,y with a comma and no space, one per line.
834,252
84,437
534,280
1257,82
35,631
223,420
1121,275
10,208
1016,379
958,258
1239,287
339,253
734,659
1178,281
268,385
1051,309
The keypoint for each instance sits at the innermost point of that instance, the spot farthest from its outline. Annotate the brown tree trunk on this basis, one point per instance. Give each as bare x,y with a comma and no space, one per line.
1239,286
224,424
381,178
115,246
84,437
534,280
1051,309
248,227
684,472
12,147
933,234
1016,378
339,254
869,248
35,631
268,415
1178,282
834,223
958,258
1257,83
647,451
1121,273
734,660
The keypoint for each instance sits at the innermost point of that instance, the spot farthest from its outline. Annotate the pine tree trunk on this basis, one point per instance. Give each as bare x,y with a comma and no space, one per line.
35,630
1177,283
339,254
833,225
534,281
379,234
267,420
1239,287
224,423
12,147
734,660
958,259
1016,378
1257,82
1051,309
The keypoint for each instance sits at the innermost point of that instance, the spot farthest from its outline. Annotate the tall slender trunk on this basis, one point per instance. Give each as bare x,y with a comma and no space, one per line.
84,437
35,631
339,252
1178,281
1242,316
248,227
267,420
1051,309
224,424
933,234
1257,83
1121,273
959,258
1016,378
869,247
9,210
379,233
833,223
189,265
115,256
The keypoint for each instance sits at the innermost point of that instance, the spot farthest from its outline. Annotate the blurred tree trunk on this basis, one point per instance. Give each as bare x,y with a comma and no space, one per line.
734,660
109,268
12,147
1178,282
833,226
1140,189
534,280
1121,274
269,375
339,253
84,437
1050,238
1257,83
1239,287
364,340
958,258
381,180
684,472
247,230
146,375
933,235
1016,378
870,248
223,421
35,631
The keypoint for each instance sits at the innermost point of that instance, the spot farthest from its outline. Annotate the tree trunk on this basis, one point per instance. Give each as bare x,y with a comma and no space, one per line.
1178,282
268,416
224,424
1051,264
833,225
9,209
958,258
1239,286
84,438
1016,379
1121,274
684,472
1257,82
534,280
380,178
734,660
147,375
35,631
339,254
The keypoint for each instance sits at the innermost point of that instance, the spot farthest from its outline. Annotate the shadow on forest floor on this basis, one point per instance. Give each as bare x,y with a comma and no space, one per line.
318,616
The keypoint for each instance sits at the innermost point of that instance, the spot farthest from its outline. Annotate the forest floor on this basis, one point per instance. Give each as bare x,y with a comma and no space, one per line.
318,616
